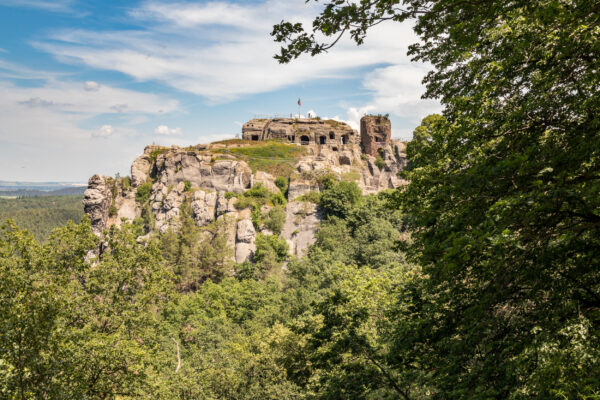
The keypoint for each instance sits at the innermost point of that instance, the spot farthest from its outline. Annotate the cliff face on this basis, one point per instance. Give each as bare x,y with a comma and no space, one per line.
206,179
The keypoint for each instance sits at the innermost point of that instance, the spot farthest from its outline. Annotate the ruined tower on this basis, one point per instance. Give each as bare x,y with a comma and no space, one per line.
375,132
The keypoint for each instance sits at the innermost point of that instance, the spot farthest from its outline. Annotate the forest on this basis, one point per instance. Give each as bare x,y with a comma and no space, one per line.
40,213
480,279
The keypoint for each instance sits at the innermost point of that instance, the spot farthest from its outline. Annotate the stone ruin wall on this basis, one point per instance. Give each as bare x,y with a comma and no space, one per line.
332,134
375,132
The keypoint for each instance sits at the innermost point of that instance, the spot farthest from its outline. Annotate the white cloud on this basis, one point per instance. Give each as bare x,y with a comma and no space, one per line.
3,50
91,86
45,132
73,98
396,90
221,50
104,131
165,130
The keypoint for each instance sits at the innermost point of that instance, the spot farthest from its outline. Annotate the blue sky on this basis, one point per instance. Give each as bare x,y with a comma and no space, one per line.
84,86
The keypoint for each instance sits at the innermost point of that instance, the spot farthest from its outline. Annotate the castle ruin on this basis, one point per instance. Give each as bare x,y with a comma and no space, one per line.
335,135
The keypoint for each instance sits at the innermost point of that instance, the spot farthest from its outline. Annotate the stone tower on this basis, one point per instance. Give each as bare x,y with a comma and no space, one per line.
375,132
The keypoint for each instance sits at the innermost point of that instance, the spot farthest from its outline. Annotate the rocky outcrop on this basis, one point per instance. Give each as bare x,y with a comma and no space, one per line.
204,207
140,169
196,180
267,180
202,171
96,202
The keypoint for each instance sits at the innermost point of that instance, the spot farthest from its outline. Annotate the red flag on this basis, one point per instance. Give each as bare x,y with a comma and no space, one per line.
299,103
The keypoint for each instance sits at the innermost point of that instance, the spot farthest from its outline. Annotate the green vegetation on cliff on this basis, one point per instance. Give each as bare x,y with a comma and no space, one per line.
273,157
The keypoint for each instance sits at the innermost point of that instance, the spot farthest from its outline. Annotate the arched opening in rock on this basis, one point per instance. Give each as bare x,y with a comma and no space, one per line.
334,148
304,140
331,135
255,137
345,139
322,140
378,139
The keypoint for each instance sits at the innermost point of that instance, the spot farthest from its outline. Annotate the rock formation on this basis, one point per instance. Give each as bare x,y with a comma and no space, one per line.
207,178
96,202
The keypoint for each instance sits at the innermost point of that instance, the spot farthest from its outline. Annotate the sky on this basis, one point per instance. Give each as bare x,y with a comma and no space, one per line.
85,86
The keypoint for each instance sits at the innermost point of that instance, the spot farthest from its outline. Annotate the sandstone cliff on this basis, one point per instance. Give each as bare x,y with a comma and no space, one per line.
208,179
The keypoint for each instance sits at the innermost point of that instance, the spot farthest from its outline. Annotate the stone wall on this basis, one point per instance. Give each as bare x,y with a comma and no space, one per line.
375,133
330,133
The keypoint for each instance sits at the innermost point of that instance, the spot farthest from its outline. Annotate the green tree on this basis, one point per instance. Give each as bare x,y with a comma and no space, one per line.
338,198
74,325
275,219
423,137
504,207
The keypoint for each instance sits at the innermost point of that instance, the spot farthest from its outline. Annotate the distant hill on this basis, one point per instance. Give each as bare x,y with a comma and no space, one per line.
40,186
41,214
67,191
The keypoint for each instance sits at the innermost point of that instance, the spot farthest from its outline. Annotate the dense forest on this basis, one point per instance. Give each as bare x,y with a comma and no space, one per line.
40,214
480,279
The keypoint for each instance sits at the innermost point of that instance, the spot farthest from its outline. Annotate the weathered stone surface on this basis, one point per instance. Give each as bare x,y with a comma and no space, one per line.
140,170
245,231
222,204
267,180
127,208
244,252
96,202
203,207
179,166
301,224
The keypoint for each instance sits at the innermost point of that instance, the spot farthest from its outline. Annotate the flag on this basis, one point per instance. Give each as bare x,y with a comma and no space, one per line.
299,103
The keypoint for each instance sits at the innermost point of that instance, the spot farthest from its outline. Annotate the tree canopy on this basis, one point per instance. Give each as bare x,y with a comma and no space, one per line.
503,203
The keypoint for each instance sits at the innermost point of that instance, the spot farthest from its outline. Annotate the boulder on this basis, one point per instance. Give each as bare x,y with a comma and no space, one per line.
245,231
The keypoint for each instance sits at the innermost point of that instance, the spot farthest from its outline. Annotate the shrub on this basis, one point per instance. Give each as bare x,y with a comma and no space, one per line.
271,248
187,186
281,183
258,191
230,195
256,217
278,199
275,219
327,180
380,162
126,183
112,210
312,197
143,192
